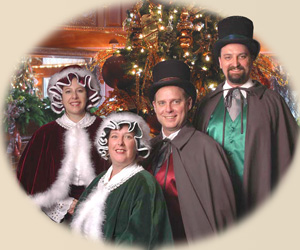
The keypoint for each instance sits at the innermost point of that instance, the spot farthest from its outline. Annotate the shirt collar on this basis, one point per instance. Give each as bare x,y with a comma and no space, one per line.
246,85
67,123
171,136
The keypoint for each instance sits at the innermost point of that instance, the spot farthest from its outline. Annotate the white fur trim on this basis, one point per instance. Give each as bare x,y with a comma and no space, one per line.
77,156
90,214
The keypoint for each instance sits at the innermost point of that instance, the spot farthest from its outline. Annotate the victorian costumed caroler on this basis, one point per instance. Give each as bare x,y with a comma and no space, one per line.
60,159
260,138
125,204
191,167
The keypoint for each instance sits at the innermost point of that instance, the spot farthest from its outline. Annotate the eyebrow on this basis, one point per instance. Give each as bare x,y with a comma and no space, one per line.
174,99
229,54
68,87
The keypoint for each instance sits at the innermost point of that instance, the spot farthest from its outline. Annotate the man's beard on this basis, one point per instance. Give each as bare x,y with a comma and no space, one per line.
241,79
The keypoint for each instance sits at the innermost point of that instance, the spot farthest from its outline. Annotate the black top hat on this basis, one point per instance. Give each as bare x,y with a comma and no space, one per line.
236,29
172,73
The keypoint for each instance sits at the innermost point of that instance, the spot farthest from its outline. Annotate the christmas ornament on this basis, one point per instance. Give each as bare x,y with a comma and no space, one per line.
113,73
149,30
185,27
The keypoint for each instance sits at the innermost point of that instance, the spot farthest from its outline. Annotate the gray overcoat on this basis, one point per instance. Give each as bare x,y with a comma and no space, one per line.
203,182
271,137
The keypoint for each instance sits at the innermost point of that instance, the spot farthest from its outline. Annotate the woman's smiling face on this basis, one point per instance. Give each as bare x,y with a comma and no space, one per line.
74,99
121,147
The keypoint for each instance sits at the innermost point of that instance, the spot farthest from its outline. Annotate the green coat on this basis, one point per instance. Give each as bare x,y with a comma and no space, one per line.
135,212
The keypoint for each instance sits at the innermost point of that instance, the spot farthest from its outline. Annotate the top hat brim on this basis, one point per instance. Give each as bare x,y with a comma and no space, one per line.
186,85
252,45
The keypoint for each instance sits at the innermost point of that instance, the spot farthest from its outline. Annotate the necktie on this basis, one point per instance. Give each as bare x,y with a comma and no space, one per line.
236,104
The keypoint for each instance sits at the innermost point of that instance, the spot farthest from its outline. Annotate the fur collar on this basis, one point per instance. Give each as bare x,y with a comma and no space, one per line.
77,148
90,214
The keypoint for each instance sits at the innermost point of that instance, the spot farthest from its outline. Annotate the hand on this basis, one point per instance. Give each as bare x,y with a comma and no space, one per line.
72,207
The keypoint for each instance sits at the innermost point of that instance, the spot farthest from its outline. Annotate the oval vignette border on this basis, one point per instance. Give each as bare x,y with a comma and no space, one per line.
274,225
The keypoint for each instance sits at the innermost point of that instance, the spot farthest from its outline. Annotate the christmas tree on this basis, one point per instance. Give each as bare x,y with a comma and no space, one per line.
23,104
159,31
23,78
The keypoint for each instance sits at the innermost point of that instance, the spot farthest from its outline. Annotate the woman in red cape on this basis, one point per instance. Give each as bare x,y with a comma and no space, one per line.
60,159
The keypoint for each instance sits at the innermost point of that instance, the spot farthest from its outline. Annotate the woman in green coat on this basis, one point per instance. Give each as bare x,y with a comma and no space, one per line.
125,204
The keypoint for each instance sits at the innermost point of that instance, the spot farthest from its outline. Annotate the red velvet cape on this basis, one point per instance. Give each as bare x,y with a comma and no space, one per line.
42,158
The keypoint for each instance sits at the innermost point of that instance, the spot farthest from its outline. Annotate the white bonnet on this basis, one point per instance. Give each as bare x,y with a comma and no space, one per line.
135,123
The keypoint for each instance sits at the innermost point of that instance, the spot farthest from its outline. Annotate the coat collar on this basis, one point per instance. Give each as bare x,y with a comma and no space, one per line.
117,180
257,89
181,139
184,135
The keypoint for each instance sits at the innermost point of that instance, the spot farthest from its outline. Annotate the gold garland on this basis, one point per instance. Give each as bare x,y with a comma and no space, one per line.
265,67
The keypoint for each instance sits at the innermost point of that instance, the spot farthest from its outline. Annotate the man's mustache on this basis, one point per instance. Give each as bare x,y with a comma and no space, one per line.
238,67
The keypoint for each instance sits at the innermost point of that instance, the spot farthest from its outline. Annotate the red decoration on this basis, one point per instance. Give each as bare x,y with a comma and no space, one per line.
113,73
17,143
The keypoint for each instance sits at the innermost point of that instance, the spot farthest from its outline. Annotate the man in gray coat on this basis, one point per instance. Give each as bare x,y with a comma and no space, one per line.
258,134
191,167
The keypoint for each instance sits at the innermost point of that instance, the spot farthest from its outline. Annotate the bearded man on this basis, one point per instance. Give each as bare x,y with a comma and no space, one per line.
252,123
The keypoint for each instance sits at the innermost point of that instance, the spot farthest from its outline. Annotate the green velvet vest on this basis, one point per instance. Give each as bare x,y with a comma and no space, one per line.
234,141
